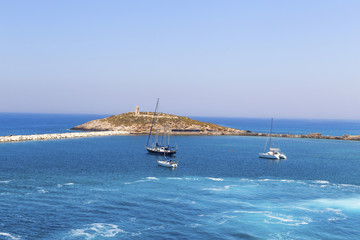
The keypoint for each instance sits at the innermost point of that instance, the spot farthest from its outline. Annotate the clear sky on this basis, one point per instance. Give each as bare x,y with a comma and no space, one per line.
282,59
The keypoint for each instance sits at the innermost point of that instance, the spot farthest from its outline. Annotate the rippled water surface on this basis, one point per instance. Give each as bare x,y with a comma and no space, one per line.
110,188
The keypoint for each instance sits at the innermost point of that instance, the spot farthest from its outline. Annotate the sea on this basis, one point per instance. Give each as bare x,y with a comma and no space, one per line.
111,188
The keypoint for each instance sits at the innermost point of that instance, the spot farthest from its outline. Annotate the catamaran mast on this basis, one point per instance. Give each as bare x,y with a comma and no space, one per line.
152,124
270,133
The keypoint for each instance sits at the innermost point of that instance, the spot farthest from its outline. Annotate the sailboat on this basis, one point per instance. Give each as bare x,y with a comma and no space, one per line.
157,146
273,153
168,162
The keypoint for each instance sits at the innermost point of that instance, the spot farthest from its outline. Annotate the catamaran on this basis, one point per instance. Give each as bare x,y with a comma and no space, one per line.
158,146
273,153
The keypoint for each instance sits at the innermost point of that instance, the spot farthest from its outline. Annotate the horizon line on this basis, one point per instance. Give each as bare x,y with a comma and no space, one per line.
243,117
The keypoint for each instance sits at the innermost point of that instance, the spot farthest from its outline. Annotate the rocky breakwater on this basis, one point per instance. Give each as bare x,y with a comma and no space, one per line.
140,123
310,135
35,137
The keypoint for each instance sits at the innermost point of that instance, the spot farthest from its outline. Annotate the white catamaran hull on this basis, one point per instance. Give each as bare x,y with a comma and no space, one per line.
269,156
273,153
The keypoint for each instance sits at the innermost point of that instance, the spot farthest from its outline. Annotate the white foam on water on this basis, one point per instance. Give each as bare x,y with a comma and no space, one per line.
215,179
252,212
321,182
217,189
192,179
339,203
242,203
89,202
59,185
5,181
68,184
286,220
195,225
348,185
152,178
338,212
97,230
155,228
135,234
286,180
309,210
174,178
140,181
280,236
265,180
272,180
42,191
339,215
9,236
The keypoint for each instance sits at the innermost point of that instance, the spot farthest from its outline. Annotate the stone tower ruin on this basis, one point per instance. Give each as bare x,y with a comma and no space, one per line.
137,110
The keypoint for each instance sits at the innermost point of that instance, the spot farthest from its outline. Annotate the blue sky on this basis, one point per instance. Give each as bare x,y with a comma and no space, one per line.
282,59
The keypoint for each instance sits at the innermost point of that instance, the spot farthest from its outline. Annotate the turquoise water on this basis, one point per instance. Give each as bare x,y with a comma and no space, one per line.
110,188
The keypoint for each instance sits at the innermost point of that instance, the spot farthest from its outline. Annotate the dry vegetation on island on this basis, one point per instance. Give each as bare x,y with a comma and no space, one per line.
141,123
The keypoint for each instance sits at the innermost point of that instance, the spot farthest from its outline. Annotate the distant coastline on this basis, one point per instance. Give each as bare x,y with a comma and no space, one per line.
99,133
131,124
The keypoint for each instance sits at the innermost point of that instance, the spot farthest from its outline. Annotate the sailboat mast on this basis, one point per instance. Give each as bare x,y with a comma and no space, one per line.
271,133
169,133
157,125
152,124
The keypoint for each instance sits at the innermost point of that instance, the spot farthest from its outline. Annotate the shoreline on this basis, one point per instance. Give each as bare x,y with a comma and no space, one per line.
53,136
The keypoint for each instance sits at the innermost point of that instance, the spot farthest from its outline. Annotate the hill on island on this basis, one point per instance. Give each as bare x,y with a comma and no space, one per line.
140,123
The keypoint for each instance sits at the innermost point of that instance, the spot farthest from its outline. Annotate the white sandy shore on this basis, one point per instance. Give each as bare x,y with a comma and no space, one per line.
18,138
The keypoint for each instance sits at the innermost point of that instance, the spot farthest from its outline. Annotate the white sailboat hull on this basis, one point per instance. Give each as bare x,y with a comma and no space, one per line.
167,164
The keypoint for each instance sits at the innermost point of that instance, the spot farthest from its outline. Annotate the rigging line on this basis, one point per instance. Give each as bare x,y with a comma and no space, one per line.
152,124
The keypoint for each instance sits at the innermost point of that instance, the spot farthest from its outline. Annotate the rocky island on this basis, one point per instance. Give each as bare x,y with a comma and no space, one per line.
140,123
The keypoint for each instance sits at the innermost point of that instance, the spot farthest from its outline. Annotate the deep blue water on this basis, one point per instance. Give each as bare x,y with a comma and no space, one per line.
27,123
31,123
110,188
